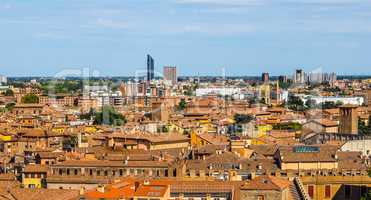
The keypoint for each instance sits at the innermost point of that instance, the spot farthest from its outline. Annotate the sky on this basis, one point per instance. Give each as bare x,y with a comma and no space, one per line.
200,37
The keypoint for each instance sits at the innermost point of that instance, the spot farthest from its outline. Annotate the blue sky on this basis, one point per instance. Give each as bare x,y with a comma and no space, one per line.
200,37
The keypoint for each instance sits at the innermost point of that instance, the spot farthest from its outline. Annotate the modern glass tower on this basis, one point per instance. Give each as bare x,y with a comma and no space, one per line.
150,68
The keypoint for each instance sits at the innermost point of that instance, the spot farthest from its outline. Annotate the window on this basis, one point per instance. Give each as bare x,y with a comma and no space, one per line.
363,190
121,172
68,171
60,172
347,191
327,191
91,172
260,197
75,171
311,191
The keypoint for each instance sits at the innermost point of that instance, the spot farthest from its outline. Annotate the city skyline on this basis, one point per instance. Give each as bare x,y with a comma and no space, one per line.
200,37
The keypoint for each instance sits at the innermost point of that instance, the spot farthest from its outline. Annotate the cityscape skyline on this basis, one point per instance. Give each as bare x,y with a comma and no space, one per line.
198,36
185,100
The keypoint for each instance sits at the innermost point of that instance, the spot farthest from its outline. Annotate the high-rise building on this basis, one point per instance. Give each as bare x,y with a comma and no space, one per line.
299,76
3,80
282,79
348,119
170,74
265,77
150,68
320,77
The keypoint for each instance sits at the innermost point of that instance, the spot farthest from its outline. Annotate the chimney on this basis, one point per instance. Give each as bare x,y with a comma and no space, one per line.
136,185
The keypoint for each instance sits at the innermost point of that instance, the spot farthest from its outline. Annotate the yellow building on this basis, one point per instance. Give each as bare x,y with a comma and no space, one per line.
34,176
265,93
5,137
173,127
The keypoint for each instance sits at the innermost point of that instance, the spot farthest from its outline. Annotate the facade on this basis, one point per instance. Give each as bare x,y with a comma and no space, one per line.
266,187
348,119
34,176
363,146
170,74
335,99
307,157
299,76
223,91
322,125
27,109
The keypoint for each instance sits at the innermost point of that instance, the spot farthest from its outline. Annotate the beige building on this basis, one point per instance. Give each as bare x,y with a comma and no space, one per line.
307,157
266,187
322,125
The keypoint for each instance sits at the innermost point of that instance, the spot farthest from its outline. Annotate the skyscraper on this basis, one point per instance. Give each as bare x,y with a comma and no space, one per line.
299,76
170,74
150,68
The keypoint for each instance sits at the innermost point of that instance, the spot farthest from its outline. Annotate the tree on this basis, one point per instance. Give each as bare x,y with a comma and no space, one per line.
9,93
182,105
330,104
242,118
30,98
284,85
295,126
364,129
89,115
10,106
295,103
311,103
69,143
109,116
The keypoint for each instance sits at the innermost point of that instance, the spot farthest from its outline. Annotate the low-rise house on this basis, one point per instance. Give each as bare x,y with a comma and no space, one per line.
307,157
34,176
27,109
323,125
266,187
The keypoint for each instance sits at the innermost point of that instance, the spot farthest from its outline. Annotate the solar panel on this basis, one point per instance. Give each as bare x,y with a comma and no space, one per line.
305,149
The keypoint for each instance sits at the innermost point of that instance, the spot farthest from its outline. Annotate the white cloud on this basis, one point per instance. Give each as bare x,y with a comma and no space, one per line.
223,2
265,2
327,2
217,29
